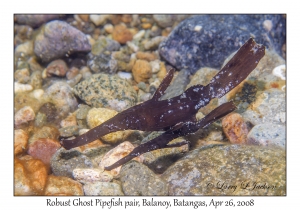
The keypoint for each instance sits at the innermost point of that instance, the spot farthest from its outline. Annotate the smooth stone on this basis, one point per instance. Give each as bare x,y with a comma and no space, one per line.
24,115
88,175
35,20
103,189
20,141
63,186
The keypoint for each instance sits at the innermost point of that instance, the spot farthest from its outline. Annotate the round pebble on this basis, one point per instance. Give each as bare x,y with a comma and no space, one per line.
24,115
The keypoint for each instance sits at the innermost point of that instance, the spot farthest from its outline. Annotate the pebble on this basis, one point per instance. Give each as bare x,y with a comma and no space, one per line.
20,141
168,20
216,163
38,93
72,73
132,46
156,65
103,63
40,120
43,149
269,107
137,179
268,135
69,121
99,19
63,186
69,131
82,111
109,28
154,43
88,175
24,115
141,71
62,96
217,40
235,128
57,68
121,34
63,162
108,91
85,72
116,154
139,34
22,75
146,56
202,77
280,71
26,48
105,44
45,132
50,110
30,176
19,87
103,189
36,80
59,33
125,75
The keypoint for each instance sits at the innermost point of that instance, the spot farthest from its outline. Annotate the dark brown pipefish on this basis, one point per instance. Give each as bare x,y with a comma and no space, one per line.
177,116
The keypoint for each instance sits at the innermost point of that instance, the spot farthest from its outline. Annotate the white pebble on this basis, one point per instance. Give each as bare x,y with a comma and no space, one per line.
24,115
125,75
132,46
155,66
38,93
279,71
22,87
109,28
197,28
139,34
98,19
268,25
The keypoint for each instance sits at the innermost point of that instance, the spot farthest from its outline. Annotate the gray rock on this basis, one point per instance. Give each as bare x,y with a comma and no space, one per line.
168,20
269,107
229,170
35,20
267,135
138,179
63,162
103,188
61,95
102,63
102,90
206,40
58,38
103,44
82,111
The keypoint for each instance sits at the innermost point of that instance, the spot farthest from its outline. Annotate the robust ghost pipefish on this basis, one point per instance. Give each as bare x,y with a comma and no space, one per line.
180,129
162,115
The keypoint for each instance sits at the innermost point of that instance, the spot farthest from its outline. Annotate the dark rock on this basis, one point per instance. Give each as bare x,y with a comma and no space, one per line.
138,179
230,167
206,40
35,20
63,162
58,38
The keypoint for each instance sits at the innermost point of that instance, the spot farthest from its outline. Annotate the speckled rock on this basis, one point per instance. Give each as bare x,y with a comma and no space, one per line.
97,116
91,175
35,20
229,170
61,95
138,179
121,34
57,68
62,186
103,44
24,115
268,135
205,41
116,154
103,188
63,162
102,63
269,107
58,38
103,90
235,128
30,176
43,149
141,71
20,141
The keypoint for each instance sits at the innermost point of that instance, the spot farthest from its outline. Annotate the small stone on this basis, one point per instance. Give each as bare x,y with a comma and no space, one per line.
73,72
30,176
105,44
116,154
50,110
43,149
132,46
40,119
84,17
155,66
109,28
59,33
121,34
62,186
26,48
267,135
235,128
268,25
138,179
24,115
125,75
22,75
154,43
99,19
85,72
69,121
87,175
103,189
22,87
141,71
36,80
82,111
45,132
38,93
97,116
20,141
162,71
139,34
146,56
69,131
57,68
